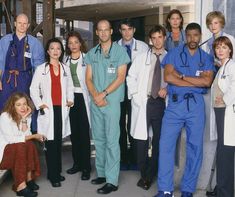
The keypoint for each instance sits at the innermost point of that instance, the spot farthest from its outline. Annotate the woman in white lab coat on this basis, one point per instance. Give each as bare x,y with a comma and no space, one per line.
52,93
223,103
80,112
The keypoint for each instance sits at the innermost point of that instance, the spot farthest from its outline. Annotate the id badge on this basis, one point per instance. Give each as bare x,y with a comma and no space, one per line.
27,54
198,73
111,70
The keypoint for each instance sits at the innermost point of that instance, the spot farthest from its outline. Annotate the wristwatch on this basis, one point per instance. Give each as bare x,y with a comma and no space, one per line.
182,76
106,92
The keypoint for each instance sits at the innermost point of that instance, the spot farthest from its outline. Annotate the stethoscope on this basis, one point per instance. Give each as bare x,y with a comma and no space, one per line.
47,71
13,45
184,58
70,59
223,76
171,39
135,48
148,57
107,56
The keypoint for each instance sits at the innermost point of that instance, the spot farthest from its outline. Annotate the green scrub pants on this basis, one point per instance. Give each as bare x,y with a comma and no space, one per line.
106,132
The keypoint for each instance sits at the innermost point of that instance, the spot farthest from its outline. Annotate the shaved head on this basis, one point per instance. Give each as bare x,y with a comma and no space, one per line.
22,16
103,21
21,24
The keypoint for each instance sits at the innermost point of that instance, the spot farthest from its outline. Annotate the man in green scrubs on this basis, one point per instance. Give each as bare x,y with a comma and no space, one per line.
106,72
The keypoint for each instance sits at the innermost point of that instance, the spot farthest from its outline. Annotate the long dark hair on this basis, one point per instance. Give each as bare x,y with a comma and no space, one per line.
76,34
47,57
168,25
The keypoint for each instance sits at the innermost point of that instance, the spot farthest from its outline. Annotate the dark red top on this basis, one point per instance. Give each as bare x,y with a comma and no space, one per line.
56,94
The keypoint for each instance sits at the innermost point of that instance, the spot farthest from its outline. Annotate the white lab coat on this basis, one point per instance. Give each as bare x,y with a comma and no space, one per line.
81,73
137,82
137,48
227,86
40,92
10,132
231,38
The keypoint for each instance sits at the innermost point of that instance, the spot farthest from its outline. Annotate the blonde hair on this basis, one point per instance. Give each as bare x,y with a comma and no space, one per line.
215,14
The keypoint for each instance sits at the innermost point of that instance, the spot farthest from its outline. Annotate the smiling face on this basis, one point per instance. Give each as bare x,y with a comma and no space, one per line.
21,24
54,50
158,40
74,44
21,107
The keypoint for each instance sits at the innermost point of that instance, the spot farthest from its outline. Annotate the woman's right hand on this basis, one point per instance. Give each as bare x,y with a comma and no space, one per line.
39,137
43,106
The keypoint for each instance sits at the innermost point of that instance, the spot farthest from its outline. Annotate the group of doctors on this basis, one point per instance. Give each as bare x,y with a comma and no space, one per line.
125,79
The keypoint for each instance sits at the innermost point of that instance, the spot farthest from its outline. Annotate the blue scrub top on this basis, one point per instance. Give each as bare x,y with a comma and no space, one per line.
169,43
104,69
189,65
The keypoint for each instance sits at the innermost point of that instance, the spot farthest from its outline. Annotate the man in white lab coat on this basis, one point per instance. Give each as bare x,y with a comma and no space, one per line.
133,47
147,90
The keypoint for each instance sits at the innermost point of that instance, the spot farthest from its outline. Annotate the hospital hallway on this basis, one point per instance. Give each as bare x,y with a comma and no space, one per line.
74,187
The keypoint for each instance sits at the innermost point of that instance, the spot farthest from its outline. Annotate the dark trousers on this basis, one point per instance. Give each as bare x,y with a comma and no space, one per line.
53,152
127,155
80,136
148,165
224,159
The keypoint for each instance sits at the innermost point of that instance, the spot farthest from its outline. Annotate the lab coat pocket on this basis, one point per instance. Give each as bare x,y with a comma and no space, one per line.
229,128
43,121
136,99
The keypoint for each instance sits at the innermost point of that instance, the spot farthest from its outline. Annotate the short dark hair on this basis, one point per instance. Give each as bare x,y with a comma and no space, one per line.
193,26
223,40
47,57
157,28
127,21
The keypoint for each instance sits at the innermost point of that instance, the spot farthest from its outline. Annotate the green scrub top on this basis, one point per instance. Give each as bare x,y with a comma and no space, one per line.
104,68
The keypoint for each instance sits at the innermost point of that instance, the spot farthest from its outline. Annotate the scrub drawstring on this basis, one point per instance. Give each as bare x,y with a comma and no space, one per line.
15,73
188,96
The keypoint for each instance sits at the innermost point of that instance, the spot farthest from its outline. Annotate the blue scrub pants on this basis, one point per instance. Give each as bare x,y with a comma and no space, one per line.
188,112
106,133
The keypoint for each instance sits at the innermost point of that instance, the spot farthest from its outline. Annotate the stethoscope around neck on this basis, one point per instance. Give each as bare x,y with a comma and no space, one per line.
47,66
184,57
171,39
69,58
13,45
99,48
223,76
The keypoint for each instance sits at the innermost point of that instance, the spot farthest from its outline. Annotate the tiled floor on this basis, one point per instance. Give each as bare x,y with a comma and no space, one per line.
74,187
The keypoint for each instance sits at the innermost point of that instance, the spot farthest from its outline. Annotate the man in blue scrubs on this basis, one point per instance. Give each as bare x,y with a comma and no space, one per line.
188,72
105,76
20,54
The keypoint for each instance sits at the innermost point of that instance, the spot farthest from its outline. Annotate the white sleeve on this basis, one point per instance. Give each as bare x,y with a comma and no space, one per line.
9,130
229,95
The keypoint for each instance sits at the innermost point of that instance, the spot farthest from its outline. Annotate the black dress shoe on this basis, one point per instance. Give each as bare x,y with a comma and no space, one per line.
107,188
62,178
74,169
144,184
26,192
85,175
32,185
56,184
98,180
